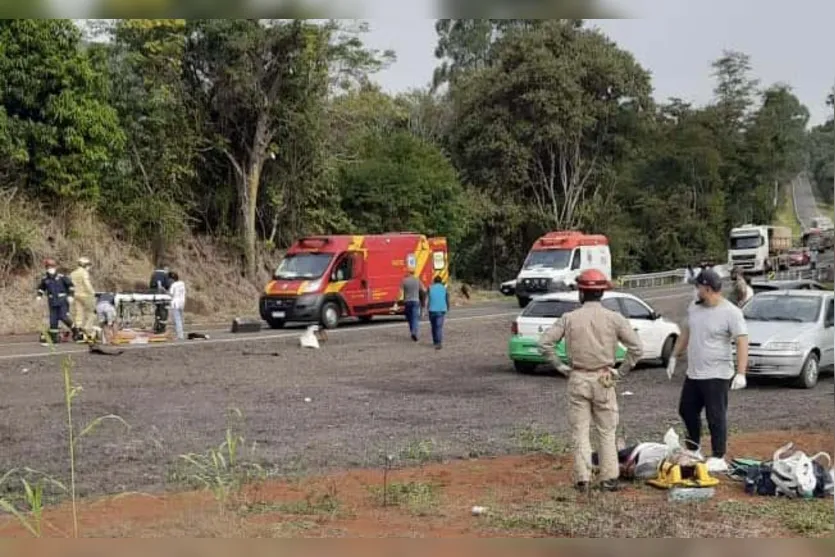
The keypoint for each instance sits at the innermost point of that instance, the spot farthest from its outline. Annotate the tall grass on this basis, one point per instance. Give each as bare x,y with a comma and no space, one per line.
225,469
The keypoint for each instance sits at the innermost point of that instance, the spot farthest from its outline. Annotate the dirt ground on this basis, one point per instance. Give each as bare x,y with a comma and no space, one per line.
367,394
520,496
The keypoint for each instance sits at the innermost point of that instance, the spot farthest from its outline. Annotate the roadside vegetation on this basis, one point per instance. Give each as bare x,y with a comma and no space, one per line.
134,150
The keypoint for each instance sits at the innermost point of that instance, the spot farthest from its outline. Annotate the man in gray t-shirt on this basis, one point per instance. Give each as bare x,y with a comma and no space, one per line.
713,324
413,294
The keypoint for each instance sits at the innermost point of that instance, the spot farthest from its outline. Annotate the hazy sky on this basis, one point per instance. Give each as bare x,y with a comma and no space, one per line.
677,40
677,44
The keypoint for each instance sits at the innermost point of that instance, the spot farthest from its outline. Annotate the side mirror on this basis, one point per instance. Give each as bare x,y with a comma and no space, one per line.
829,323
655,316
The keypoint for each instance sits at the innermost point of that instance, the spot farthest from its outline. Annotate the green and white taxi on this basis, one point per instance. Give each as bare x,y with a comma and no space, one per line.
658,335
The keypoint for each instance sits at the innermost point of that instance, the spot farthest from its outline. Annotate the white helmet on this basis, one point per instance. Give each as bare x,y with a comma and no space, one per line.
84,261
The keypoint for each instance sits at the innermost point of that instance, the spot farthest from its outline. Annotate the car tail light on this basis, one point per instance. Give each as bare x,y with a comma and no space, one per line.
514,328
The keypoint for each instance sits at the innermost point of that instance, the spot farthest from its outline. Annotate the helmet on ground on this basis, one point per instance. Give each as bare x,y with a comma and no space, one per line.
83,261
592,279
49,262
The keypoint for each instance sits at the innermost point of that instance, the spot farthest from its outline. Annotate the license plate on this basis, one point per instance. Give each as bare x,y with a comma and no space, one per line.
279,314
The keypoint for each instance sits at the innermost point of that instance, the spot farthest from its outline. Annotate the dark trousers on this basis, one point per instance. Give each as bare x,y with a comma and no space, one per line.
59,314
710,395
436,321
412,310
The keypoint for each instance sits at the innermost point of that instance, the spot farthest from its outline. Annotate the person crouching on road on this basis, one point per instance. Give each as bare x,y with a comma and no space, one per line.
712,325
591,335
59,291
84,306
178,303
437,302
413,294
106,315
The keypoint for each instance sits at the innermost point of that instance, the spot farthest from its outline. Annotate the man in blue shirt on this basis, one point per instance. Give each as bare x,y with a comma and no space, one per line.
438,306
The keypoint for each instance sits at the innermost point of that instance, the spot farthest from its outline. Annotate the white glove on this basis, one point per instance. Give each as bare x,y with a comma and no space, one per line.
739,382
38,299
671,368
70,299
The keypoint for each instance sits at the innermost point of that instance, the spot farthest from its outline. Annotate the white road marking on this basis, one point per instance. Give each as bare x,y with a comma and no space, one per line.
283,335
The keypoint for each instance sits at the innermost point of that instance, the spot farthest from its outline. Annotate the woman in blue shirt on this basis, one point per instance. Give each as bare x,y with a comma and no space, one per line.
437,306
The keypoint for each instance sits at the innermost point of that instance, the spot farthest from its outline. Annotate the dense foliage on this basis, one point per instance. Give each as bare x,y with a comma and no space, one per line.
260,131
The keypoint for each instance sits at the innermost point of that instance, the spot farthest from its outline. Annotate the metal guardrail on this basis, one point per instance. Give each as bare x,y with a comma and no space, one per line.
663,278
824,273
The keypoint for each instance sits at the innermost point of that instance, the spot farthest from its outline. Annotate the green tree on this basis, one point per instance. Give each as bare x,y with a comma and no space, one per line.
774,151
402,182
545,123
466,44
246,77
821,158
63,133
151,194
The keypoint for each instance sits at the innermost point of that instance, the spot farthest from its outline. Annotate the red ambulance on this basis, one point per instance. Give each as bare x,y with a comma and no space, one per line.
323,279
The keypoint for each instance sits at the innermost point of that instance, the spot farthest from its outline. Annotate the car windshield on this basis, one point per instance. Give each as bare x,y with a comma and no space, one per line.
798,309
550,259
303,266
549,309
746,242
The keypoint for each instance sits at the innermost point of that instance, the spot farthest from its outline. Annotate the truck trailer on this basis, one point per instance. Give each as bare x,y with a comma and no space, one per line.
759,248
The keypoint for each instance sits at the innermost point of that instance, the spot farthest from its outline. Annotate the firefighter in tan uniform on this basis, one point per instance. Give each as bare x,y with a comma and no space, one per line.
591,335
85,298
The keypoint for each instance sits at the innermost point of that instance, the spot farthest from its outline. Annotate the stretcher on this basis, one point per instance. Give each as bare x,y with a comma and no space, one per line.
141,311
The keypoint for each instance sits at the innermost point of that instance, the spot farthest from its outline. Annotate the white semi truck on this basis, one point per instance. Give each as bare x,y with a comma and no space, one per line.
759,248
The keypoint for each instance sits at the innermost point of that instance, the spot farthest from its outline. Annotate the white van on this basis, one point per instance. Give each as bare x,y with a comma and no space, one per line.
556,259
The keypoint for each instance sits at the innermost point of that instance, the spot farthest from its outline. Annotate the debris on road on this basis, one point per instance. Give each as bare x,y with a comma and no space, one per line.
478,511
101,350
309,338
240,325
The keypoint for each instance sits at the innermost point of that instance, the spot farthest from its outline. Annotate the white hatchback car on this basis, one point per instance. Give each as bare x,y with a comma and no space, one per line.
658,335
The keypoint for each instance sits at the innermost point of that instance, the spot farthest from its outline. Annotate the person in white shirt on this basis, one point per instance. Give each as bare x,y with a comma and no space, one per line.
178,303
712,326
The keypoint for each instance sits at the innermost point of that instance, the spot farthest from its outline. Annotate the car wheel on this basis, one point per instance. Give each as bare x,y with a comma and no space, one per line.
809,373
667,350
276,323
524,367
330,315
523,302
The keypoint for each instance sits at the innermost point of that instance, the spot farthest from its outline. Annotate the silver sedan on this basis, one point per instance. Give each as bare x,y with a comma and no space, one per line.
790,334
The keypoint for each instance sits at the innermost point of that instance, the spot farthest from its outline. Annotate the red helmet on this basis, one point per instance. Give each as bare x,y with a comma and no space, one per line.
49,262
592,279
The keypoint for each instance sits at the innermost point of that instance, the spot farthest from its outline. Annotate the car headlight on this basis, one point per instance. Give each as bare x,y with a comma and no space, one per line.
789,346
312,286
557,285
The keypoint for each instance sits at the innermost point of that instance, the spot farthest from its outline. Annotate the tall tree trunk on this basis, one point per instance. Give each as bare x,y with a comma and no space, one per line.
248,186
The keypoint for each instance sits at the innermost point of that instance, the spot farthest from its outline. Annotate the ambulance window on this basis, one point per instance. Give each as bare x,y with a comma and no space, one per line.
575,261
439,260
344,270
